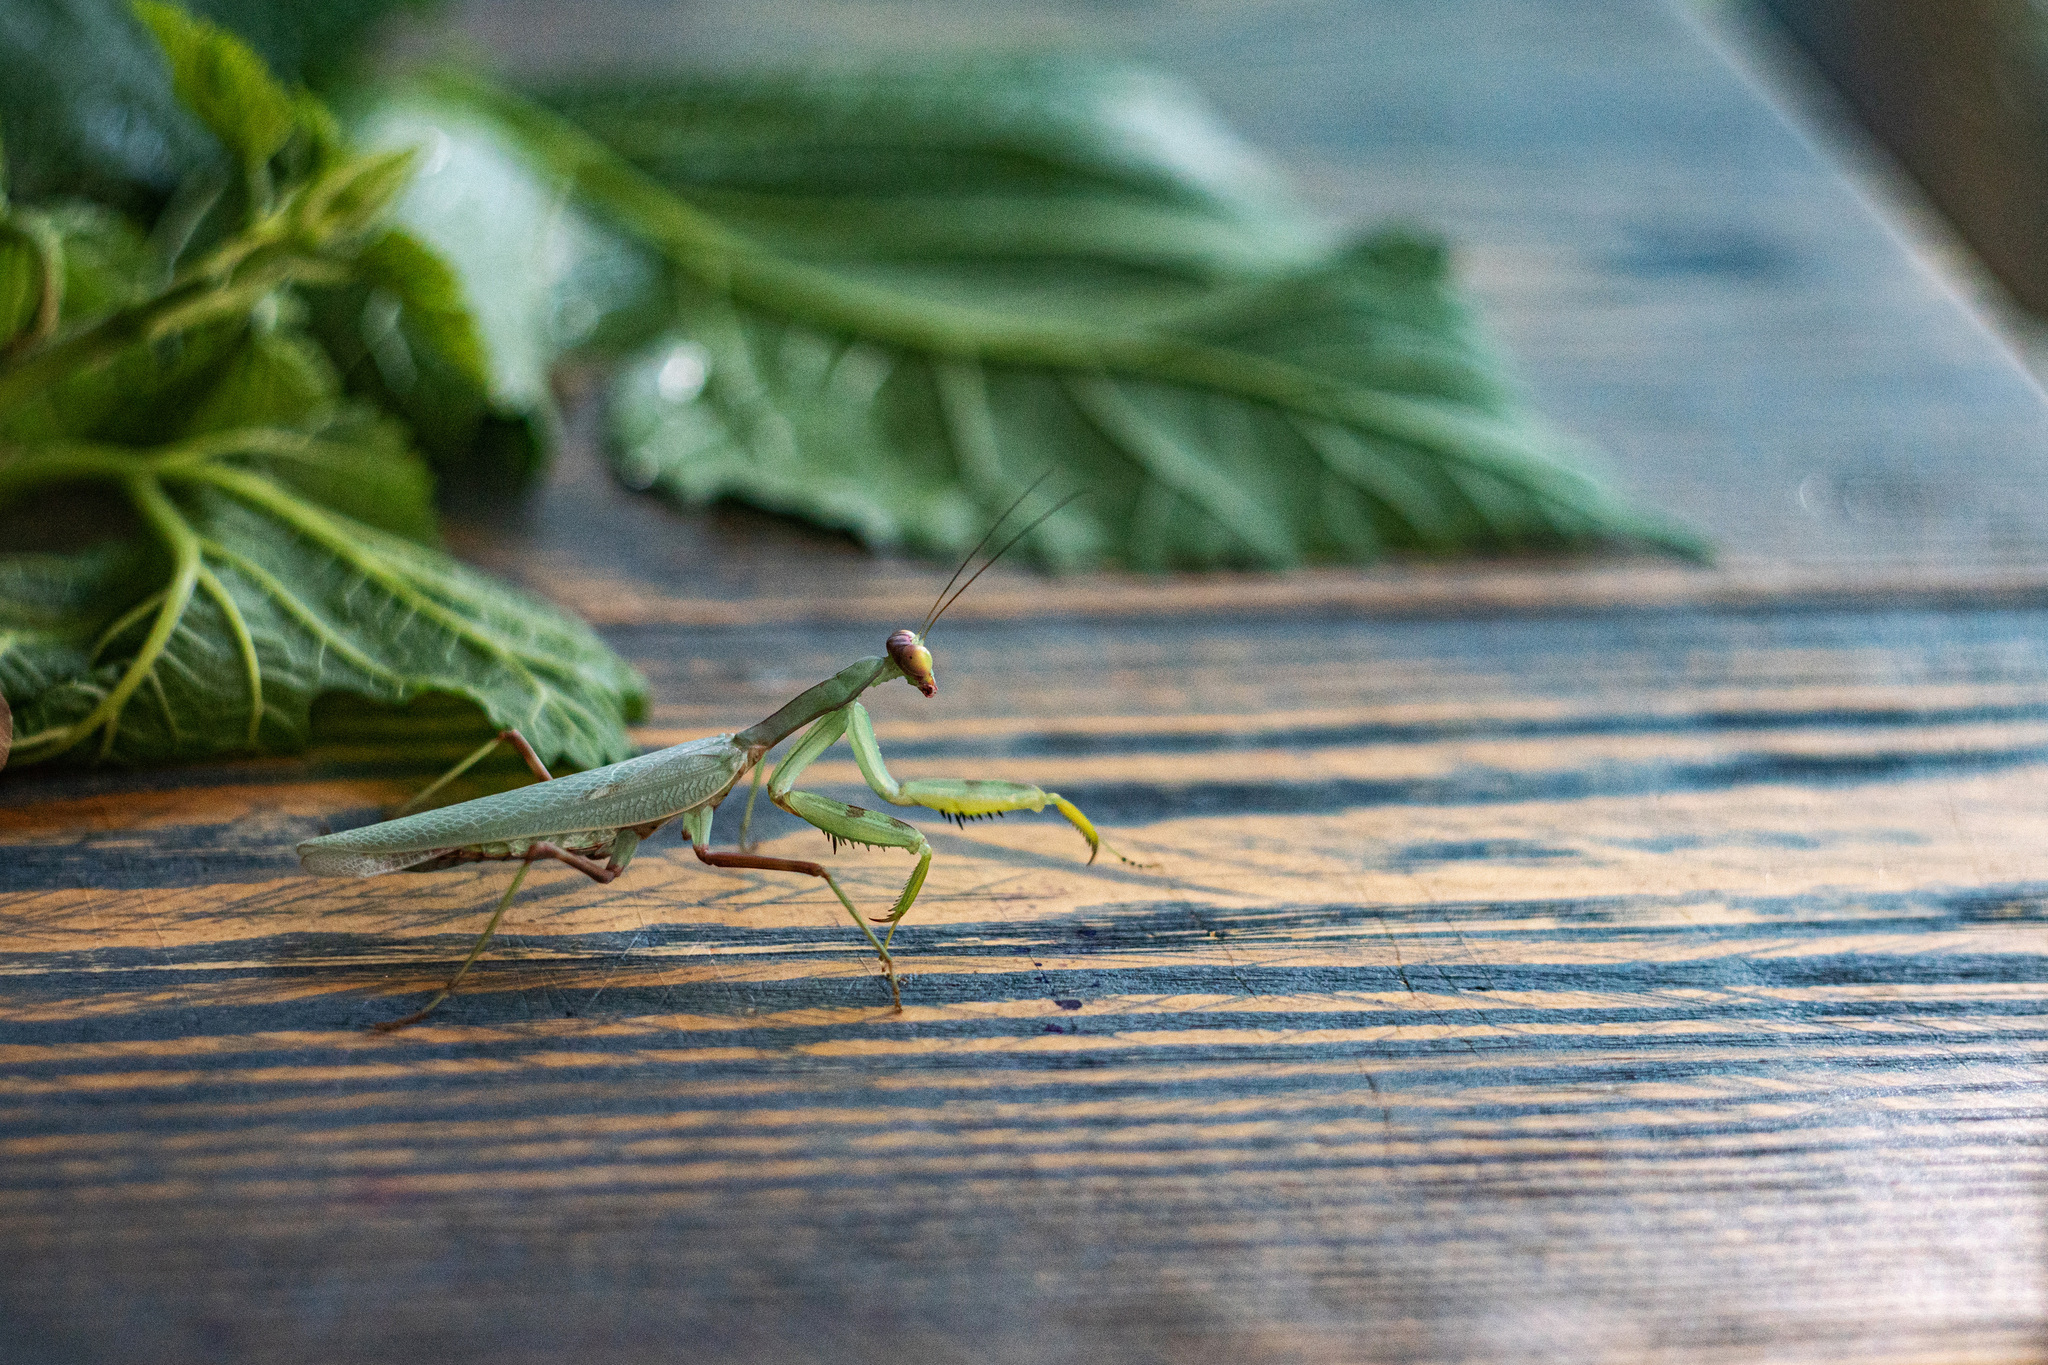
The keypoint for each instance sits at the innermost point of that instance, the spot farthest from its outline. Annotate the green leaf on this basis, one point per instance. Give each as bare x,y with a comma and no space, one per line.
218,78
28,271
50,607
465,348
354,462
351,198
1226,401
86,99
76,71
271,379
254,602
995,160
267,542
106,262
60,262
113,377
317,43
404,337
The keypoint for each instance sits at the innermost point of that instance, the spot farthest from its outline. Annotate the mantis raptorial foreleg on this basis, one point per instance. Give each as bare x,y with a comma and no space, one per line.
962,798
838,820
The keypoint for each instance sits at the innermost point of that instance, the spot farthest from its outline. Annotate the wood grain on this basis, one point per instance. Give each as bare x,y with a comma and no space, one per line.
1543,962
1666,983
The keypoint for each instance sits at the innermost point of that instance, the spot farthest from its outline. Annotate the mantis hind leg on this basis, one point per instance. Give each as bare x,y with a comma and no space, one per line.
476,951
597,873
477,755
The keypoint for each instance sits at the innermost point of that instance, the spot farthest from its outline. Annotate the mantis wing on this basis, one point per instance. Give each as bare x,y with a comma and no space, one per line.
640,791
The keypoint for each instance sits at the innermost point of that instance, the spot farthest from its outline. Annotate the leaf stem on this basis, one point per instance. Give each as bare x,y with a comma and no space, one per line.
125,620
48,247
57,463
170,526
245,643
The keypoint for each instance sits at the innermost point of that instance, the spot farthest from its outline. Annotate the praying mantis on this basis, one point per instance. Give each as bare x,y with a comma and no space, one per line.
593,821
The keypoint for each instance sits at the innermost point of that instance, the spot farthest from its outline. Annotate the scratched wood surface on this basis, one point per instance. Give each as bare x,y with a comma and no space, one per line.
1602,962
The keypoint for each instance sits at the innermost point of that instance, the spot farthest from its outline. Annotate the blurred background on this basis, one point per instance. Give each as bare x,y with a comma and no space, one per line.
1938,108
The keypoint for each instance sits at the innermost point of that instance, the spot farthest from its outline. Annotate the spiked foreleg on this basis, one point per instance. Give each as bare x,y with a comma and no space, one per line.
840,821
962,798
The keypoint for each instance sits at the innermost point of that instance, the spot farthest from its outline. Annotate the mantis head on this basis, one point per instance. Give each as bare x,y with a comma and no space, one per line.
914,659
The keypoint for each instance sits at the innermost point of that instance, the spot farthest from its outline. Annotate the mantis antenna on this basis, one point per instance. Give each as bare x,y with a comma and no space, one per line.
1036,522
986,537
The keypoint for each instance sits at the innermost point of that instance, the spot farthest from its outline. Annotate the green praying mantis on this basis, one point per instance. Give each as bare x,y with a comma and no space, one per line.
594,821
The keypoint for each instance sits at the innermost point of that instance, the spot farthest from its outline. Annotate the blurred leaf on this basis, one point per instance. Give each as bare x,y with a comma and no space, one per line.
105,273
218,78
86,101
405,339
997,160
1231,392
50,606
314,43
28,271
464,349
272,378
87,109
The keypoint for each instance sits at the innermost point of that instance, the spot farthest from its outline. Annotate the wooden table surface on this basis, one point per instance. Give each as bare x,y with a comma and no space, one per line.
1567,963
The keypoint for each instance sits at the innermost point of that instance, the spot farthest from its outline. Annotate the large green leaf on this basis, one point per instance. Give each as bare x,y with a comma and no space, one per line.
255,601
898,299
1109,173
285,553
258,540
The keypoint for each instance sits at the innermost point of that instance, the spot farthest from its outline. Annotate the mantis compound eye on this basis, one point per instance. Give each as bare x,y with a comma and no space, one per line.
914,659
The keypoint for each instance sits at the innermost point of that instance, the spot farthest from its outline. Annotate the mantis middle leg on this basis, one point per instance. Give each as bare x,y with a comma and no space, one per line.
697,829
512,737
